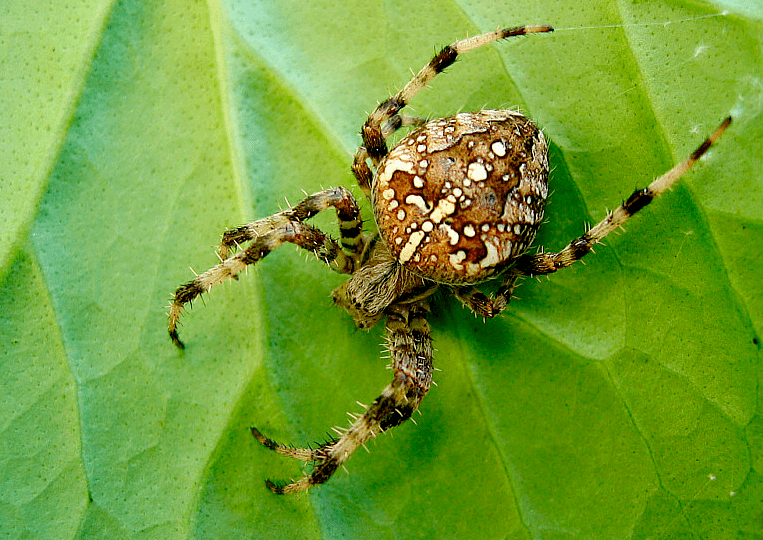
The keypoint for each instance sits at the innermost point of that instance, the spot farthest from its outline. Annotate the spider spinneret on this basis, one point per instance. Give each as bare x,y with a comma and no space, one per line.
457,202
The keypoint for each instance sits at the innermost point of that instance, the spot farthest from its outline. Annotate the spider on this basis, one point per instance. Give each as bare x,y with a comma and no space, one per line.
457,202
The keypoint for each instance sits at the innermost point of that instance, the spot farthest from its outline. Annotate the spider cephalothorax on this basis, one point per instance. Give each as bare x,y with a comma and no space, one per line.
457,202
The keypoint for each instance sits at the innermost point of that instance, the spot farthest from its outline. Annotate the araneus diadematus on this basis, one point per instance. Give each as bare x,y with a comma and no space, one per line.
457,202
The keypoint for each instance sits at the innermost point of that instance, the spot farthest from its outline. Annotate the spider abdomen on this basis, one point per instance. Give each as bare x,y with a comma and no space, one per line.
459,198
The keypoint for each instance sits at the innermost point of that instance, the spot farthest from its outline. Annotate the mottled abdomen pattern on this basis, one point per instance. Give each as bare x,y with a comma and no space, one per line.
459,198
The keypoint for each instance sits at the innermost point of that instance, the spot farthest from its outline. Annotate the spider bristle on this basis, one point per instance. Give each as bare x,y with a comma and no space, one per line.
345,469
364,406
415,423
434,383
365,447
339,430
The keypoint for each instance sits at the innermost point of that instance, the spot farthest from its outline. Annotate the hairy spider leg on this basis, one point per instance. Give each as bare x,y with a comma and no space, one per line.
409,342
483,305
360,168
373,130
347,210
268,234
304,454
548,263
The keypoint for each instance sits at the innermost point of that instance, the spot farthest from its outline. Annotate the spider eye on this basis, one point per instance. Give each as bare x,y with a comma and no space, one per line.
460,197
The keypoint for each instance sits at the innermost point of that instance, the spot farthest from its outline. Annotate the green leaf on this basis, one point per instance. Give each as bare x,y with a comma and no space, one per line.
618,399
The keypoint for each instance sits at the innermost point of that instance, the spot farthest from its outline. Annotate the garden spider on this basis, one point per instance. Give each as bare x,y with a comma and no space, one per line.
457,202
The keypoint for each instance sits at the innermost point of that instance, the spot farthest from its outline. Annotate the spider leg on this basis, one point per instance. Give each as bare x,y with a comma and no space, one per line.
486,306
360,168
401,120
373,134
362,172
270,233
483,305
547,263
410,345
347,210
304,454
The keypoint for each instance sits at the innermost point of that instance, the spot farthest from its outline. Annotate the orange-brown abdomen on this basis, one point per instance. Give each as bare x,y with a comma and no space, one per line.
459,198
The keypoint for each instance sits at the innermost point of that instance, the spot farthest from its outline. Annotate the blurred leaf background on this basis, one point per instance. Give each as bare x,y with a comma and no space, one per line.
619,399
